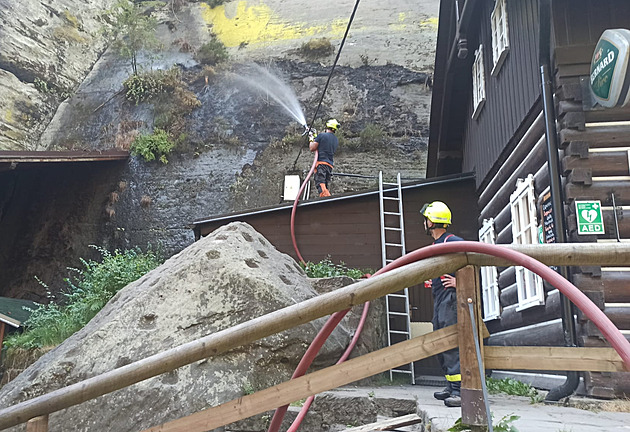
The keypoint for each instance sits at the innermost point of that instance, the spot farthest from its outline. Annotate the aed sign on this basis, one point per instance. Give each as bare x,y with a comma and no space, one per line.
610,75
589,217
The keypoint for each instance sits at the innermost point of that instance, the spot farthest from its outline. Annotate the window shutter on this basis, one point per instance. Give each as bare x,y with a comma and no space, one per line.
525,231
489,276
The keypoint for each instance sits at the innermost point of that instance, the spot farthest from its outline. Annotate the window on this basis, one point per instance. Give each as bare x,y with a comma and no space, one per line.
500,36
525,231
479,83
489,276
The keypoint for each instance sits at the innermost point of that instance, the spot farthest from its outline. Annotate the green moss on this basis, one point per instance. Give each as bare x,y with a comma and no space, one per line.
317,48
69,34
71,19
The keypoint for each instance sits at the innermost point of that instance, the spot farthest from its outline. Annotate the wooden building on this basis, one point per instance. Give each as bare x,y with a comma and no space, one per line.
347,229
490,116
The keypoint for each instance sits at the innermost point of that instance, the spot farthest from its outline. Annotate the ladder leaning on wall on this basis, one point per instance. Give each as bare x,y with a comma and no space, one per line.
393,247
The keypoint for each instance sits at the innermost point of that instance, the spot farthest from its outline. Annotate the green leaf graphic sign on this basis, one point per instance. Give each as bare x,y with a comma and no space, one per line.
602,68
589,217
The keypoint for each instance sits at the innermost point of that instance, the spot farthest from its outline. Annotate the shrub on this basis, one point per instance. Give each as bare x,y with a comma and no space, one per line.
326,268
371,136
153,146
148,85
133,31
212,53
89,291
316,48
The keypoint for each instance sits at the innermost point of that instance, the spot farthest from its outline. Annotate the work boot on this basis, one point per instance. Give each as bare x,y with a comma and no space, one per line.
324,190
453,401
442,394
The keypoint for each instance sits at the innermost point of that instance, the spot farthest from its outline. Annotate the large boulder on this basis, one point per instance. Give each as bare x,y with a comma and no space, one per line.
226,278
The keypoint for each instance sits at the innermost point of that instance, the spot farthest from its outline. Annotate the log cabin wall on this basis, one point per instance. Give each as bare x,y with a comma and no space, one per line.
596,144
505,143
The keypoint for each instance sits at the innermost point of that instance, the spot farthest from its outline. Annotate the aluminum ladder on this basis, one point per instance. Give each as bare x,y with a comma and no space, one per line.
393,247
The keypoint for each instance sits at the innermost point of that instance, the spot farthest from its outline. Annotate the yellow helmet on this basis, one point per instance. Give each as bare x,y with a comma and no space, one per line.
437,212
332,124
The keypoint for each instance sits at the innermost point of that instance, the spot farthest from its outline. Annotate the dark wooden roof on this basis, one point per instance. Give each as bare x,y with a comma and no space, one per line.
25,159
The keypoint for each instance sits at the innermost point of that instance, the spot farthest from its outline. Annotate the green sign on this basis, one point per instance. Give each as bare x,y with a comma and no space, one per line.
589,217
609,68
602,68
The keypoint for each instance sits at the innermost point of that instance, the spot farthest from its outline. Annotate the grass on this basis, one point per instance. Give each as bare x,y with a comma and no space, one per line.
326,268
513,387
91,288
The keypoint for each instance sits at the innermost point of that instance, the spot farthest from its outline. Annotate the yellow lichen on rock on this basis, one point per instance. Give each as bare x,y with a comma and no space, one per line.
255,24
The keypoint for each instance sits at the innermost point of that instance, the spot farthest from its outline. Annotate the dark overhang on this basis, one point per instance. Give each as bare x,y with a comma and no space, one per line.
452,70
10,160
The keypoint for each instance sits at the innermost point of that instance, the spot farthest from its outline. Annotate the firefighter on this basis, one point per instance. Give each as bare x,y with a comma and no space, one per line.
326,143
437,218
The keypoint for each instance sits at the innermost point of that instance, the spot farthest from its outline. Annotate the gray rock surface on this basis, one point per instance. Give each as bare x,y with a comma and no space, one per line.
224,279
47,48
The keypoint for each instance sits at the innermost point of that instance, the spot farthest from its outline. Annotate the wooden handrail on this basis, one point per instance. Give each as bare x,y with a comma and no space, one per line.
275,322
225,340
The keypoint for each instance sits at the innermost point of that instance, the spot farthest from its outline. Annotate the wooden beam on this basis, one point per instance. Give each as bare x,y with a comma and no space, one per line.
473,404
571,254
553,358
389,424
37,424
326,379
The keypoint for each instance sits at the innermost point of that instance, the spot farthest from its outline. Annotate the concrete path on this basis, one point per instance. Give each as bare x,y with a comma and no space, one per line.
533,418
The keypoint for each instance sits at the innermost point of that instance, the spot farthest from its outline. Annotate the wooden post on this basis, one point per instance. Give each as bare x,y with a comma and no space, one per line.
38,424
473,405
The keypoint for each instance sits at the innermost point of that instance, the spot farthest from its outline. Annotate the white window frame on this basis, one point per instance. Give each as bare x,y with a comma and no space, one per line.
479,83
525,231
489,276
500,35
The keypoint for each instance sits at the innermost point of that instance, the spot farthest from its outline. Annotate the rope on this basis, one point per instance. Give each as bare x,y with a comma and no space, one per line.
321,100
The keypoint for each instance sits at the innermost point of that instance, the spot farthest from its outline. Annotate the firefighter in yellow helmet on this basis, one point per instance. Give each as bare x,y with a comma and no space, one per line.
326,144
437,218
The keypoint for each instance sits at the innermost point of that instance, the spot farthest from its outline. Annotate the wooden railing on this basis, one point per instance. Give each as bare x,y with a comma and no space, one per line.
35,411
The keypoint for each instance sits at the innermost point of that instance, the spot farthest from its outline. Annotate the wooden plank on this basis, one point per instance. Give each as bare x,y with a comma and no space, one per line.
600,191
573,70
512,319
544,334
609,163
316,382
598,136
37,424
389,424
473,404
553,359
574,54
619,315
614,285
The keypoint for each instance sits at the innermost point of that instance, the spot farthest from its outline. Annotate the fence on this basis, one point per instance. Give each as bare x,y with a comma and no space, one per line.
35,412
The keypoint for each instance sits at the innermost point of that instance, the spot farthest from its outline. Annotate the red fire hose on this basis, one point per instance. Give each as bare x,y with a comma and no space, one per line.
603,323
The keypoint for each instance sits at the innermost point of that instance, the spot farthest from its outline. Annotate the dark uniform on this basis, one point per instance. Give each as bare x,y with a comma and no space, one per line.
444,315
327,145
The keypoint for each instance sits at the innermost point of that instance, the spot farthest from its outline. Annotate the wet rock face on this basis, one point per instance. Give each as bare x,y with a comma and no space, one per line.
229,277
47,48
